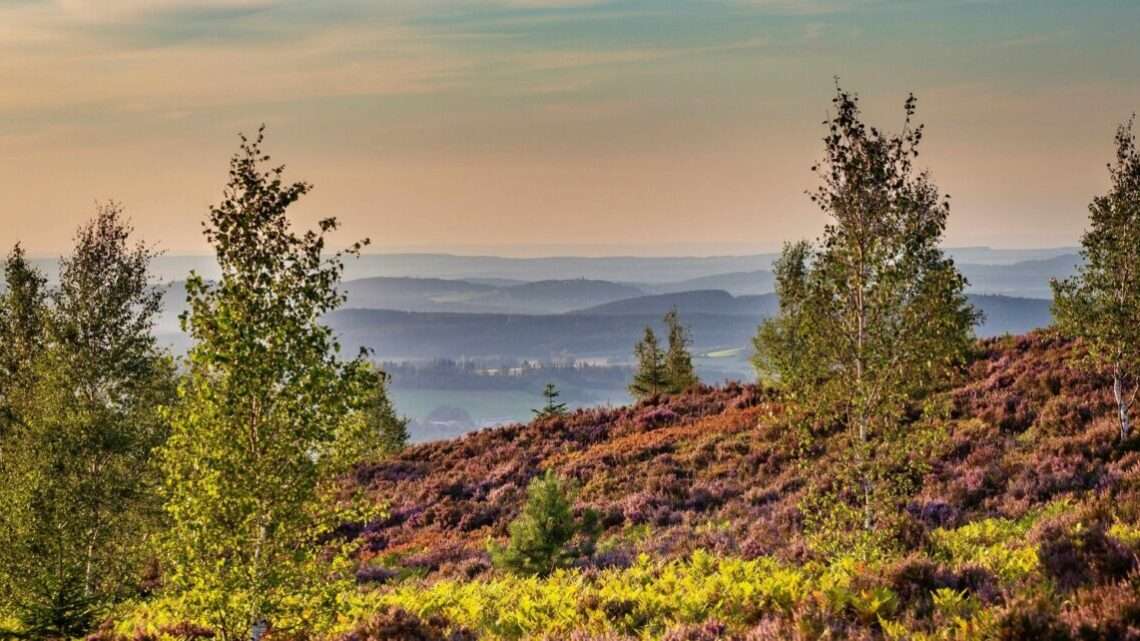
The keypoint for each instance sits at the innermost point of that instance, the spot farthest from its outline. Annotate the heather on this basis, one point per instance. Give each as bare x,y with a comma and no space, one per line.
721,469
1029,499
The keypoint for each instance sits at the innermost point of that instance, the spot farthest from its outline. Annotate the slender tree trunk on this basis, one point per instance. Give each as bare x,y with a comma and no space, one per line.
89,567
1122,405
864,430
257,623
865,472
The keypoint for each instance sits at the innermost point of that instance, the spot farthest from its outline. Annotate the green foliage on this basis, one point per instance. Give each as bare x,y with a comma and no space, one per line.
645,600
668,371
59,607
876,315
651,377
264,411
781,339
1101,304
1128,534
835,514
23,311
834,528
954,603
546,536
78,506
553,407
371,431
995,544
679,372
845,598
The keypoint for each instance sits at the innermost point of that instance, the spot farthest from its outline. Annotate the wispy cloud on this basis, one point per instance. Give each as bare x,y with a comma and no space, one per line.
114,10
175,56
433,92
813,7
546,4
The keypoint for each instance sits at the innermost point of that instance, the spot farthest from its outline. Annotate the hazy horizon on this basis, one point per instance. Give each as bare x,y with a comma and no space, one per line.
555,251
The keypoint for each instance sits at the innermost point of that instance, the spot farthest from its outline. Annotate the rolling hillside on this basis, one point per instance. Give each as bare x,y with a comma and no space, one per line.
685,455
704,536
613,268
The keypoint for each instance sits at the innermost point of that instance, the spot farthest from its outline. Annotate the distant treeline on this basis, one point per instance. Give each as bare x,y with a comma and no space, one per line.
503,374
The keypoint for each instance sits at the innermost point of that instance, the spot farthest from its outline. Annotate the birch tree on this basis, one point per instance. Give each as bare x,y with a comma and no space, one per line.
264,408
873,315
78,505
1101,303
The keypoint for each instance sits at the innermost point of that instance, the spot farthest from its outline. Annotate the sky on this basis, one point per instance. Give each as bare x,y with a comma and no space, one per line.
553,126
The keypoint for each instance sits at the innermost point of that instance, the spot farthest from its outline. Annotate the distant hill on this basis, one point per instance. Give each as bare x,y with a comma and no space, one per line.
716,320
411,294
1029,279
1003,314
442,295
555,296
412,335
740,275
1014,296
612,268
497,282
997,256
737,283
712,301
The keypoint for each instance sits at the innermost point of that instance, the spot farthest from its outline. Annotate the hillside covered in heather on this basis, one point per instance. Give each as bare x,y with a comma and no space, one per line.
1022,525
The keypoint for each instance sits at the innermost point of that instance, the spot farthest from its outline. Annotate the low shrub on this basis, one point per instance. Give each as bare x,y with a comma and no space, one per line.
395,624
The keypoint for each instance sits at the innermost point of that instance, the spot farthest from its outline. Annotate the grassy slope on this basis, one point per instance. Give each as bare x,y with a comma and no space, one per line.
1028,508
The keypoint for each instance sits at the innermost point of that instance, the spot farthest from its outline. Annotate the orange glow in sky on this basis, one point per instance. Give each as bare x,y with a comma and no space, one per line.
439,125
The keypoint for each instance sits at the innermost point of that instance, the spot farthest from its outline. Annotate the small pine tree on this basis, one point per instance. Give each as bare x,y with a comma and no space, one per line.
1101,304
552,407
542,537
678,361
650,378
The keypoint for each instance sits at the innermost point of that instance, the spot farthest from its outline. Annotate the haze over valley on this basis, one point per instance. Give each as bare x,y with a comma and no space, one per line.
490,314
